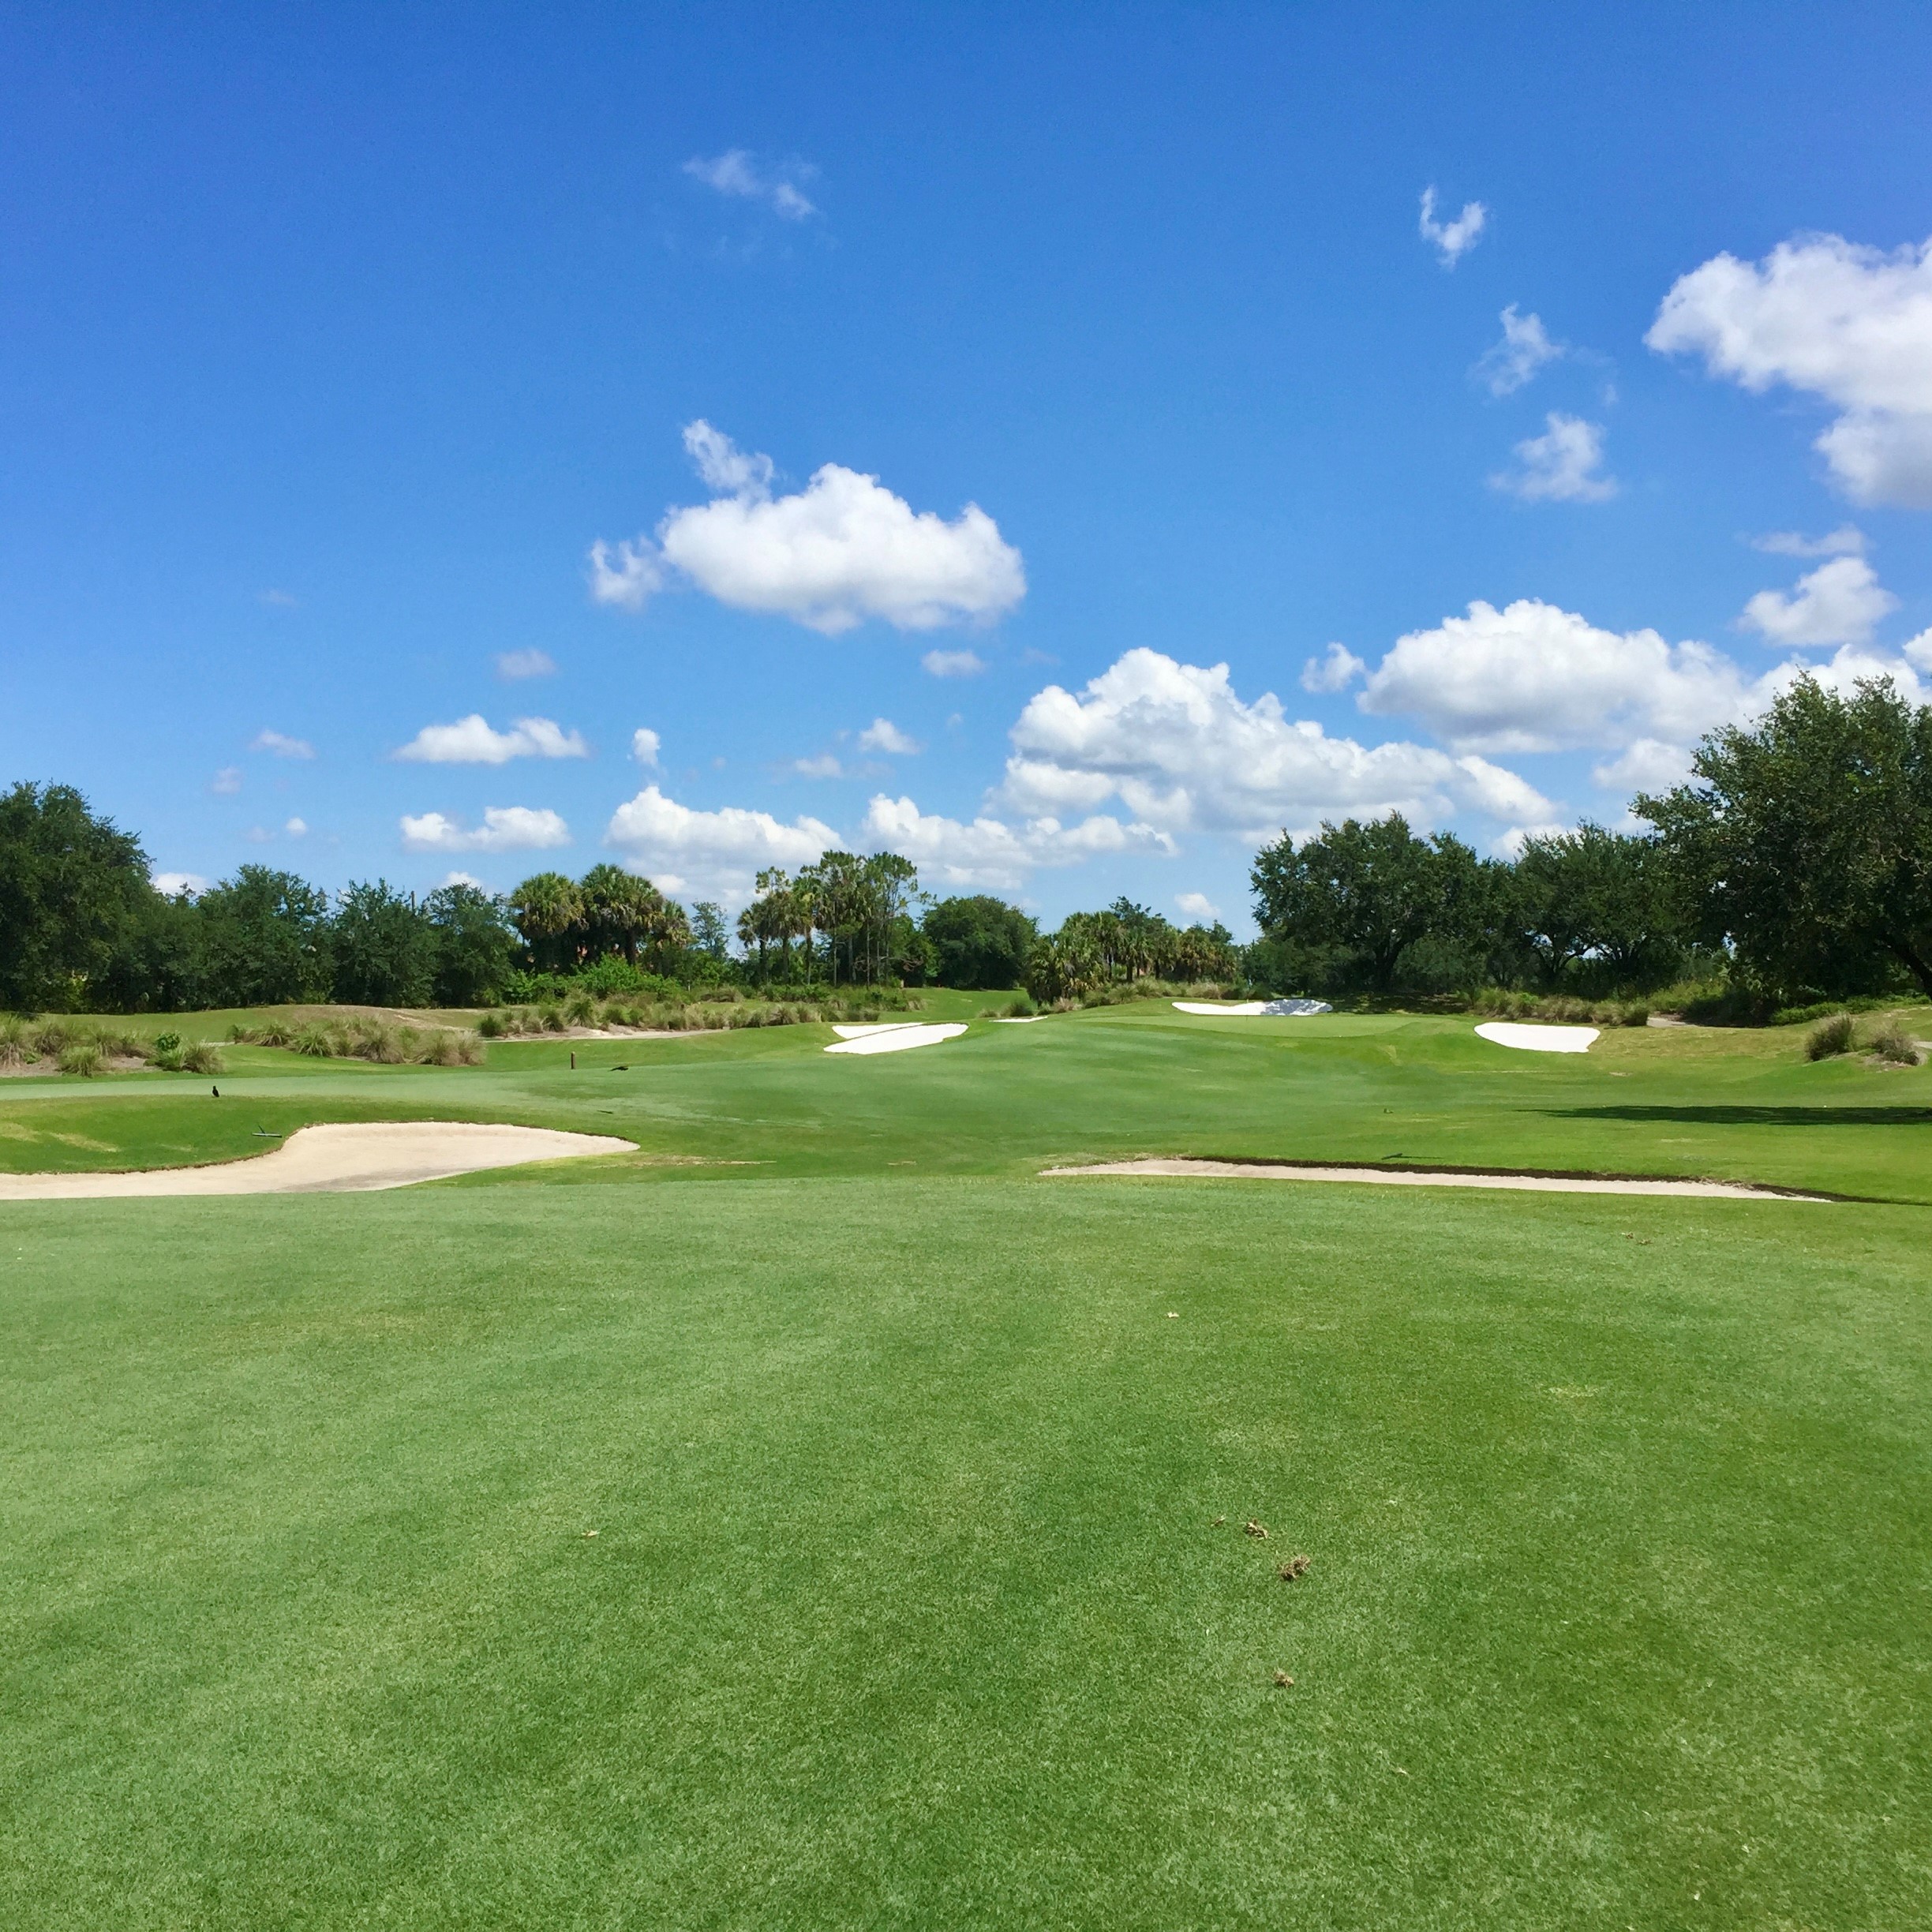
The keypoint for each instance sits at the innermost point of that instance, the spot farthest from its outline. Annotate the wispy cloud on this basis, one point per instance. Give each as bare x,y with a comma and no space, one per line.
1506,366
227,781
282,745
739,174
525,663
953,663
1564,465
1847,540
1453,239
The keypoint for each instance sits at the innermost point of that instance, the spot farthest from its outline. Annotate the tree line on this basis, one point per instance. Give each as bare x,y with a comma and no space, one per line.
1795,865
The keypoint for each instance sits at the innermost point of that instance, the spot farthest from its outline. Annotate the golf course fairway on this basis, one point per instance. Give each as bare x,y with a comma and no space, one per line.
816,1518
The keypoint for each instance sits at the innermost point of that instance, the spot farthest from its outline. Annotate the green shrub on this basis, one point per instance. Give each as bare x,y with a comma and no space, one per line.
491,1026
1893,1043
82,1057
552,1019
1829,1036
201,1057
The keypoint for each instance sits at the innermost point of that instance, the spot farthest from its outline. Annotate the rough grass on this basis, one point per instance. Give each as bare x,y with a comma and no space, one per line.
906,1605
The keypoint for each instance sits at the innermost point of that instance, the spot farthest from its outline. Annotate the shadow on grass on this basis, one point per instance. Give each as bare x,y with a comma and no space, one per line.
1757,1116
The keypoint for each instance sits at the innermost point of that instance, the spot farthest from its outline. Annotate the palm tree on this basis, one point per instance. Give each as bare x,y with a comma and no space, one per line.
548,909
619,909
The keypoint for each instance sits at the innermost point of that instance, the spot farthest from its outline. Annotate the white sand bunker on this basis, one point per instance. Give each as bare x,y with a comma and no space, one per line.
346,1157
1383,1177
1017,1019
1254,1009
892,1036
1538,1039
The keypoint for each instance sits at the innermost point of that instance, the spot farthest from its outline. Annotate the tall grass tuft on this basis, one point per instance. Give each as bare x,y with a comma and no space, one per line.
201,1057
81,1056
1892,1043
15,1049
1829,1037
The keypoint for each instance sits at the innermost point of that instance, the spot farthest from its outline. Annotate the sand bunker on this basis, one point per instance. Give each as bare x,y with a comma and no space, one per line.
892,1036
347,1157
1018,1019
1254,1009
1538,1039
1383,1177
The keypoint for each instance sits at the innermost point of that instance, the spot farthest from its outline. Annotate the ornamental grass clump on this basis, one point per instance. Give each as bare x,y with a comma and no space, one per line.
81,1056
201,1057
1829,1037
1893,1045
15,1048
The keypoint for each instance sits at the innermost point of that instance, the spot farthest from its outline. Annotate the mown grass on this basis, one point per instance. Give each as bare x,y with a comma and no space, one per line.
1118,1081
905,1605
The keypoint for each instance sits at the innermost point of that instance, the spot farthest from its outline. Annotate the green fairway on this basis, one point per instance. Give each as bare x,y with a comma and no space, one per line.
906,1605
1131,1080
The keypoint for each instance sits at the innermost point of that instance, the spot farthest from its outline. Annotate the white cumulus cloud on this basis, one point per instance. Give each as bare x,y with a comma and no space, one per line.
505,828
1649,765
296,828
471,741
172,884
282,745
987,854
842,550
1452,239
1849,323
1534,677
722,851
1841,602
1335,670
883,734
736,173
1563,465
1525,347
1198,906
645,745
825,766
1178,747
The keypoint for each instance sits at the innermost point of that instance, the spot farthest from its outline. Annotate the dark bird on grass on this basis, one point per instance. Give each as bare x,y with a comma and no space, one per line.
215,1092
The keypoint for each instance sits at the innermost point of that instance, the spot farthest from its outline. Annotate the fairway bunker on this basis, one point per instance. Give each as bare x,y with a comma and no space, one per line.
1254,1009
892,1036
346,1157
1434,1177
1537,1039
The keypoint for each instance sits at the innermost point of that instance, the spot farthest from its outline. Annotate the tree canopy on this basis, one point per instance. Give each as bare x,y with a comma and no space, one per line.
1806,840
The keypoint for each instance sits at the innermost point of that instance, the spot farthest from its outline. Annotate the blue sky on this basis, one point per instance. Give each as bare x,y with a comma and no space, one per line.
336,339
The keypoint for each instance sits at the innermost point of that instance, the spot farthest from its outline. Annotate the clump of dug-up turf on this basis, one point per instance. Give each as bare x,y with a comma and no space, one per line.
1829,1037
1294,1570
